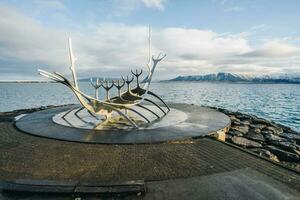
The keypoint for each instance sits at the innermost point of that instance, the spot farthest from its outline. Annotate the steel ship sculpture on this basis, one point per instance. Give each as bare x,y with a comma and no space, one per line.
124,101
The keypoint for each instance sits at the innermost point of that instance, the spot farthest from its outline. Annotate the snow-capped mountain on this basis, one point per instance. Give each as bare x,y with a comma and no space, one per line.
231,77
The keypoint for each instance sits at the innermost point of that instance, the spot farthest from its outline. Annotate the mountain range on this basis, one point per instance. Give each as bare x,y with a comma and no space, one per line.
238,78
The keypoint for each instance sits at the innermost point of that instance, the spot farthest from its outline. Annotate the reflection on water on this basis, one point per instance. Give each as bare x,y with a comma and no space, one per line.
278,102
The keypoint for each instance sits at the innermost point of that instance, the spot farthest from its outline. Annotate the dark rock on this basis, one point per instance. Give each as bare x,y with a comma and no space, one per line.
245,122
233,118
235,133
259,126
228,137
261,121
265,153
296,151
266,132
288,146
238,123
274,138
284,155
243,116
295,137
275,130
256,136
288,129
244,142
257,130
242,129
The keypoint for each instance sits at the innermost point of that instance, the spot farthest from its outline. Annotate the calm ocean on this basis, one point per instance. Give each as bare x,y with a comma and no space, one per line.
277,102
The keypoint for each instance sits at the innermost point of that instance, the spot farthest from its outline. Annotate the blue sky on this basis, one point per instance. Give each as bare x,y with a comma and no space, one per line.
110,36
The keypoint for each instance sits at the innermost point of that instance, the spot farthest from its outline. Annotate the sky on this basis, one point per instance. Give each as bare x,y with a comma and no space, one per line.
110,37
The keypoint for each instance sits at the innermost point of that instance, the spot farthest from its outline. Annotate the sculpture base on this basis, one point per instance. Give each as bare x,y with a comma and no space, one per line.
77,117
183,122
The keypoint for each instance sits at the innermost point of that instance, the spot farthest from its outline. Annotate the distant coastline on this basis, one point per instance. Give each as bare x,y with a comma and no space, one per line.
236,78
4,81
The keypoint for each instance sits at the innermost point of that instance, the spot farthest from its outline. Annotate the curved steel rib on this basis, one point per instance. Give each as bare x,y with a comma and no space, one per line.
139,105
155,105
153,94
140,114
77,115
69,111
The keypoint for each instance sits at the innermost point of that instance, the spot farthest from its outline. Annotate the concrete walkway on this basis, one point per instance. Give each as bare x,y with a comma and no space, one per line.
197,168
234,185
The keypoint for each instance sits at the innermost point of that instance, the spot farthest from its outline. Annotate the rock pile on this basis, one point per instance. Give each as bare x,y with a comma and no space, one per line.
276,142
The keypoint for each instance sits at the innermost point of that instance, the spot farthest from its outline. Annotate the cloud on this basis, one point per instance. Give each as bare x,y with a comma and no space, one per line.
51,4
112,49
126,7
274,49
24,39
228,6
260,27
234,9
156,4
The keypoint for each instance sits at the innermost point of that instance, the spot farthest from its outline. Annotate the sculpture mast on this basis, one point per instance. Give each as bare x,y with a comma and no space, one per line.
151,70
149,47
149,54
73,59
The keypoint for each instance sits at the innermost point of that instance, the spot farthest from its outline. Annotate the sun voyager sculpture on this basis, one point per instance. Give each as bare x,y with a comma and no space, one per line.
128,107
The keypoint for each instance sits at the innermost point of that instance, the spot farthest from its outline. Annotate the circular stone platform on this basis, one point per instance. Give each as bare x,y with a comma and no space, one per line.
191,121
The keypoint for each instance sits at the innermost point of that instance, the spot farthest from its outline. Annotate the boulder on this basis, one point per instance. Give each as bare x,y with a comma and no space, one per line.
244,142
275,130
235,133
233,118
266,132
283,155
242,129
296,151
260,121
265,153
238,123
288,146
228,137
274,138
243,116
259,126
257,130
255,135
293,137
246,122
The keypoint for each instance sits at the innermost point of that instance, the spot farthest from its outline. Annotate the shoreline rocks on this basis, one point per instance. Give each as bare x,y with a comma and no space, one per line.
265,138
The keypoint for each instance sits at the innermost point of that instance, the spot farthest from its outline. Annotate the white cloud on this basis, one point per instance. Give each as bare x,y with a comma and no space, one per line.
260,27
234,9
112,49
126,7
274,49
156,4
51,4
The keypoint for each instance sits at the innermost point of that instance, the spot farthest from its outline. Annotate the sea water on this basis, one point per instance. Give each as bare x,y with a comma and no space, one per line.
277,102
